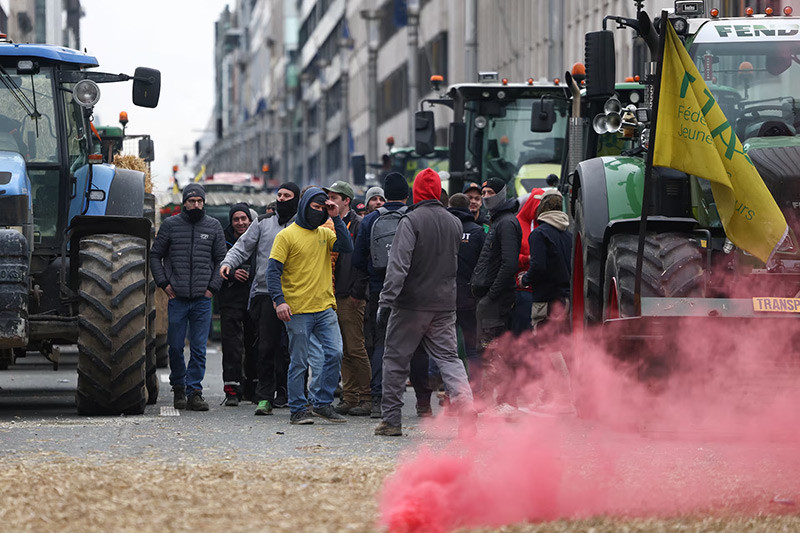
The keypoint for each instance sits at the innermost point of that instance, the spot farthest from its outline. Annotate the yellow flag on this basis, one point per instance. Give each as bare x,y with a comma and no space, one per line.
693,135
200,174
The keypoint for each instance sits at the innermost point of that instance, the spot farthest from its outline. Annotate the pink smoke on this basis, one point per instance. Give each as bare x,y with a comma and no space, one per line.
714,429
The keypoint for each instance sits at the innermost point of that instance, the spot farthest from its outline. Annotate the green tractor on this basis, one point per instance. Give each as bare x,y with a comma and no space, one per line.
687,260
514,131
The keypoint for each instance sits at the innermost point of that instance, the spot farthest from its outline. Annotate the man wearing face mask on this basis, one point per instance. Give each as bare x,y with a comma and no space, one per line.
184,260
299,278
494,278
272,359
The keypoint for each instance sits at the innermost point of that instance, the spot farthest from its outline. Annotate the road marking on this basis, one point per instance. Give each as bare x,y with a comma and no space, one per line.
164,378
169,411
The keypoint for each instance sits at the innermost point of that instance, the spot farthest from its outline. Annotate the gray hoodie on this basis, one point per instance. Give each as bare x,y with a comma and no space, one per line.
258,238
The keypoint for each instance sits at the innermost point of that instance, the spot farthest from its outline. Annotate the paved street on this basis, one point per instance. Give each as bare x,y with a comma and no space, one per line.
37,413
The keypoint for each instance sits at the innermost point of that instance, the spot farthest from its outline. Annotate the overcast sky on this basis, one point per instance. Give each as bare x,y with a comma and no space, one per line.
173,36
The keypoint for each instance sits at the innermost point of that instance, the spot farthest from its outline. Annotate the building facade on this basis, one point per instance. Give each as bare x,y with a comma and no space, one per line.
44,21
304,84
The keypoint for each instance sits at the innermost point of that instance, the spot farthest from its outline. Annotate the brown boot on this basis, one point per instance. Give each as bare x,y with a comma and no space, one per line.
364,408
385,429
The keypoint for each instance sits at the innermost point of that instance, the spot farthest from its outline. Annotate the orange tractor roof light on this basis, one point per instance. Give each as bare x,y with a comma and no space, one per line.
123,118
769,11
788,11
714,13
749,11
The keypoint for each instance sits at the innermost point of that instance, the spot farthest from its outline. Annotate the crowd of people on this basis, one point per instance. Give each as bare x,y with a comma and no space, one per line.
316,300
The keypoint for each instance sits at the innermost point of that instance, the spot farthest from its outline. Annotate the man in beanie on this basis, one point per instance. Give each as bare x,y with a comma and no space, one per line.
374,199
494,278
238,331
299,282
184,260
350,289
272,355
396,191
418,304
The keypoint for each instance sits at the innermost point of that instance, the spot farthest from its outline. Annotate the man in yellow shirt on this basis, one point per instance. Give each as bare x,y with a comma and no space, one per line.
299,283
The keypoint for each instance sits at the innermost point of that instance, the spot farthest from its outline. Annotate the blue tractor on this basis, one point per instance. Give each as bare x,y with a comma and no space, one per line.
74,237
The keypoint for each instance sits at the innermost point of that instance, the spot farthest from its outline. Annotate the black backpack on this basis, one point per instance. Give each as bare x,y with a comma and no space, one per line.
382,235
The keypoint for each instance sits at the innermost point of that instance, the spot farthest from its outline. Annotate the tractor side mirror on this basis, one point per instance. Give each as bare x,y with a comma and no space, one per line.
600,64
543,116
359,166
146,87
424,132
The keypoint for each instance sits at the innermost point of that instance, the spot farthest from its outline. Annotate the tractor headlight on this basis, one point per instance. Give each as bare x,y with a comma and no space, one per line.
86,93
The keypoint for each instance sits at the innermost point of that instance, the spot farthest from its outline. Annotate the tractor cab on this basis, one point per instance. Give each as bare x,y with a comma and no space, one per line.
514,131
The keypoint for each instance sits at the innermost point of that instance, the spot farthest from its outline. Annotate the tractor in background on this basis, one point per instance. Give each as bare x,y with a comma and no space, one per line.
514,131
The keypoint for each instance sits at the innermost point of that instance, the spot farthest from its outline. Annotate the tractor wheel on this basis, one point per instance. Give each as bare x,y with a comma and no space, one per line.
152,377
587,296
112,325
672,267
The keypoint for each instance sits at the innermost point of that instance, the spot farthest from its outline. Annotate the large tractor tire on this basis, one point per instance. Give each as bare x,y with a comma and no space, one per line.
150,351
672,267
112,323
162,351
587,283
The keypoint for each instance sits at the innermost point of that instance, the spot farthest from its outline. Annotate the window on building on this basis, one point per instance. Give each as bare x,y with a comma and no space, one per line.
393,94
333,156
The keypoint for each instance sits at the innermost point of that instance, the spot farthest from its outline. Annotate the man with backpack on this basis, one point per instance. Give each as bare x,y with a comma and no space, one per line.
372,256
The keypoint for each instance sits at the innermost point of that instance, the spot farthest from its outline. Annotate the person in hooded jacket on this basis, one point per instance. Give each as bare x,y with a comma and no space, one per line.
549,272
493,280
272,354
238,330
549,277
472,239
299,278
184,260
418,304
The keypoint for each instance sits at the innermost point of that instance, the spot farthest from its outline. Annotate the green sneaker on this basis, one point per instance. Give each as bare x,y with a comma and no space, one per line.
264,408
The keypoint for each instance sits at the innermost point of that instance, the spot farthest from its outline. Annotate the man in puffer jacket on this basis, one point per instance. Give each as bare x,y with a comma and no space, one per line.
184,261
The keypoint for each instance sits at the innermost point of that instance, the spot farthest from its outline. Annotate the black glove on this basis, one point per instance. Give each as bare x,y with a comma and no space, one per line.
383,317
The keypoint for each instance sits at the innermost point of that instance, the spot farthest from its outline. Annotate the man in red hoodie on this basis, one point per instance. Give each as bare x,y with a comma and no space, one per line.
418,303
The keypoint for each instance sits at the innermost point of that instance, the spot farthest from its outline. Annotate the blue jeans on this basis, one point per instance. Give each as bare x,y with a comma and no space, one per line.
195,312
310,334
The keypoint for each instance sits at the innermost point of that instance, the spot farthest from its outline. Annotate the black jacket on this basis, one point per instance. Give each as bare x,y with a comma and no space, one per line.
497,265
472,240
187,256
350,281
235,293
549,272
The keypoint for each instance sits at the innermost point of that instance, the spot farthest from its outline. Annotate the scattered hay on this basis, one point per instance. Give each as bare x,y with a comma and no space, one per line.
47,493
51,492
134,162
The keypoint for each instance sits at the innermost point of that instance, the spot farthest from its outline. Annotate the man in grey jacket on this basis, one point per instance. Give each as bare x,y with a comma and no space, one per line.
272,360
184,260
419,302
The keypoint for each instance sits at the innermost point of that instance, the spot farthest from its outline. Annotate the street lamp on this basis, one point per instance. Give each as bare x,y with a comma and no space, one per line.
373,42
412,8
345,46
305,82
323,64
